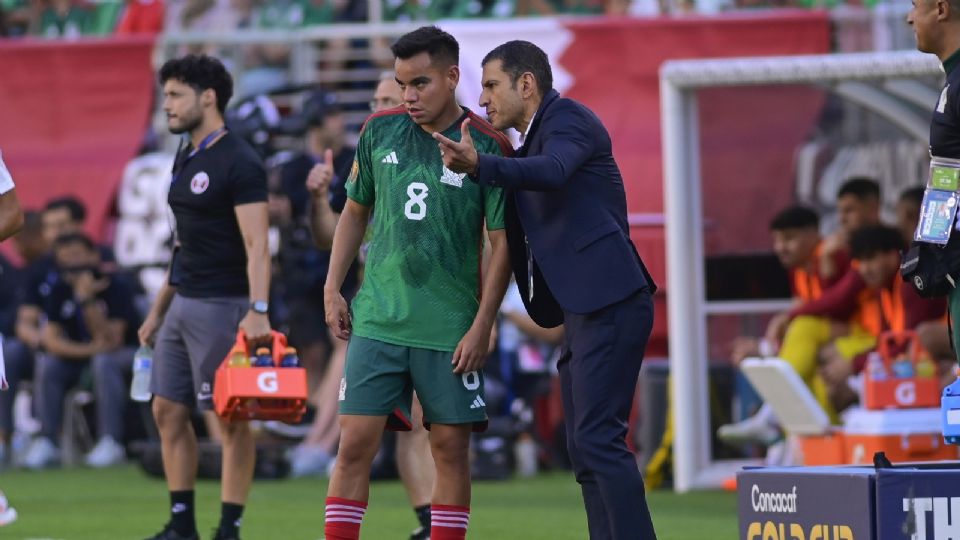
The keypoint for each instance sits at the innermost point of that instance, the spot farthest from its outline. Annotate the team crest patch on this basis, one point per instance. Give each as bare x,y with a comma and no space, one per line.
451,178
199,183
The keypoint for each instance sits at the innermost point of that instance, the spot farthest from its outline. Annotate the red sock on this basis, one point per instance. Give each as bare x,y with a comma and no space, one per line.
343,519
448,522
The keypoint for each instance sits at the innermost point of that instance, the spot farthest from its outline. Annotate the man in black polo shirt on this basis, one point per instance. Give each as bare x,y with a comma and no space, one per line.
936,24
91,321
218,281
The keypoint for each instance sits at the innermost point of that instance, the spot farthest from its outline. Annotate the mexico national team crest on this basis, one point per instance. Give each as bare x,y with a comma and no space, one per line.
451,178
199,183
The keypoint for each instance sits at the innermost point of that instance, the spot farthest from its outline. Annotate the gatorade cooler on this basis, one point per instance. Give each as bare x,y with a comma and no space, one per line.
261,393
903,434
914,387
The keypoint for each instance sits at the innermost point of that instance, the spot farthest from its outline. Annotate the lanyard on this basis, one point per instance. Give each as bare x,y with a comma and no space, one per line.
892,305
175,175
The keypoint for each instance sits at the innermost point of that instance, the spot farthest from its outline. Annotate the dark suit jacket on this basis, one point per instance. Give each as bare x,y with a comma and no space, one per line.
565,196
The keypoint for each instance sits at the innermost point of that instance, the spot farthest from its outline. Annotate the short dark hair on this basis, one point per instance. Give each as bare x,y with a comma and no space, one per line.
519,57
439,45
913,195
860,187
69,239
32,222
78,212
200,72
873,239
795,217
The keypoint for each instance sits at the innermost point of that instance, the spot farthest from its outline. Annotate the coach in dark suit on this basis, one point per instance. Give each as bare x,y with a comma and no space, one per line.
566,221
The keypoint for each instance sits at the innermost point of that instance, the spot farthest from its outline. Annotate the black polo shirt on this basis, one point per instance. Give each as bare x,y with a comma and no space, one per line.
61,308
212,261
945,124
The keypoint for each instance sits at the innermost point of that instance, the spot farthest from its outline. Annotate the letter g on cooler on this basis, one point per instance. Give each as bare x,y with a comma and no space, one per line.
267,382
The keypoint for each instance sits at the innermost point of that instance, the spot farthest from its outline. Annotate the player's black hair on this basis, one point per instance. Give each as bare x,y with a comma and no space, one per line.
519,57
78,212
200,72
69,239
861,187
795,217
873,239
912,195
442,48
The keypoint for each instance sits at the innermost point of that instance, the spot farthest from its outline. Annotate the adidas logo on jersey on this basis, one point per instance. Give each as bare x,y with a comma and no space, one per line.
390,158
451,178
478,403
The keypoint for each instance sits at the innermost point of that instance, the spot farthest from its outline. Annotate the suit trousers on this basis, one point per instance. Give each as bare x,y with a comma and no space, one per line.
598,377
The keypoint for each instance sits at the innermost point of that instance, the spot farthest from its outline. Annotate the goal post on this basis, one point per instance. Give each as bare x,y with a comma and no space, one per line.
686,299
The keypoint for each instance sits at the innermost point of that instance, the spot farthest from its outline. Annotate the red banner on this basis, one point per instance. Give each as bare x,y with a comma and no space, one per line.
71,116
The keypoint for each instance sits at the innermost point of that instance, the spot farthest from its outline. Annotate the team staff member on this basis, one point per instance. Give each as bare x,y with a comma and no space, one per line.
218,281
566,218
423,317
936,24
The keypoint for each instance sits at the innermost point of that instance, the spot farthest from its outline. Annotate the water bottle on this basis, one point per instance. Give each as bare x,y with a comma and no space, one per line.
142,366
875,369
290,358
263,358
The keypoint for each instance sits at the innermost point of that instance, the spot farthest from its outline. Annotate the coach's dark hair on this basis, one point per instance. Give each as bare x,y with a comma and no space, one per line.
74,238
519,57
860,187
200,72
913,195
873,239
78,212
441,46
795,217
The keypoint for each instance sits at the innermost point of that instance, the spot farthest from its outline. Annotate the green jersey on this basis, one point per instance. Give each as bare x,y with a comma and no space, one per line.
421,285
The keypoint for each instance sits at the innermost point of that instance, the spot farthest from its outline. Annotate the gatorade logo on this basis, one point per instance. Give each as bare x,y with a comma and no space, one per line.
267,382
906,393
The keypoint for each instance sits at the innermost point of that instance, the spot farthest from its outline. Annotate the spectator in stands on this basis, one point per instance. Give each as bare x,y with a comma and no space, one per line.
30,247
908,212
888,305
67,19
202,16
141,17
91,321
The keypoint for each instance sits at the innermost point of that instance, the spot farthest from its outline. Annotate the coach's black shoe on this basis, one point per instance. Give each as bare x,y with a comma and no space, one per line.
420,533
220,534
169,534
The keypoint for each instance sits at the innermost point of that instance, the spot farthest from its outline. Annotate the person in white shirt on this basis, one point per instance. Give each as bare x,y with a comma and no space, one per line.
11,215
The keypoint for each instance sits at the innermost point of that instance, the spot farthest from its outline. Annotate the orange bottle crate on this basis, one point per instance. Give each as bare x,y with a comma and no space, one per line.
261,393
900,392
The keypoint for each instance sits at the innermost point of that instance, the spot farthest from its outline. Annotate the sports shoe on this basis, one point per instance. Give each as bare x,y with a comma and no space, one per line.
751,430
7,514
218,534
106,453
169,534
41,454
420,533
309,460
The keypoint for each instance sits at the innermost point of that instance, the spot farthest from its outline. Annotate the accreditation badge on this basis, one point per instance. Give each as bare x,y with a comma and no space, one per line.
937,213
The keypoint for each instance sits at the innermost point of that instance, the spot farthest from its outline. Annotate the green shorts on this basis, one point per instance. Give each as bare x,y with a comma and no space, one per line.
379,379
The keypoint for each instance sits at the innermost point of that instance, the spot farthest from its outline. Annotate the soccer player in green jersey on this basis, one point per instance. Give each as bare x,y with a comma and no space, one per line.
423,316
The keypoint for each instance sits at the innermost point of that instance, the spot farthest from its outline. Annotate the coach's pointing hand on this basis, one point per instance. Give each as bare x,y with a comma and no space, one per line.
460,157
